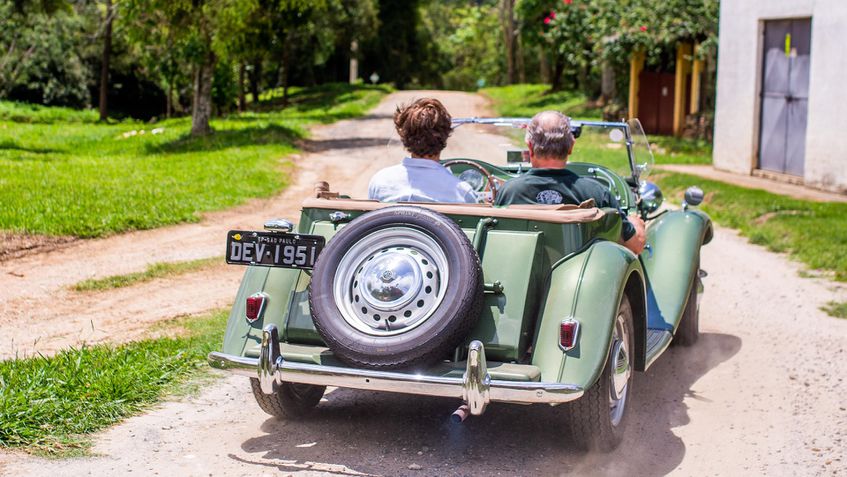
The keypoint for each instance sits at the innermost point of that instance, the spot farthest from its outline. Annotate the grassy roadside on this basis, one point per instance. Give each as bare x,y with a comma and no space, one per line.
49,404
153,271
814,233
64,174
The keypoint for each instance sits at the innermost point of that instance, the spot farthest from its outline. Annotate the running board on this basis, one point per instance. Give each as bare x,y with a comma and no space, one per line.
657,343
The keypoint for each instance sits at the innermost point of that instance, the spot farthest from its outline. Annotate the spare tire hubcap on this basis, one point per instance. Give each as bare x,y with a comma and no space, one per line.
391,281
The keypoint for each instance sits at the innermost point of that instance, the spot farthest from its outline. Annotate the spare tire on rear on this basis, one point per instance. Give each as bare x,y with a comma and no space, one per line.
398,287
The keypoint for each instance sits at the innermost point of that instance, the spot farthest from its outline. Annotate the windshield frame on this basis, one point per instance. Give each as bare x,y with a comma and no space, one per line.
521,123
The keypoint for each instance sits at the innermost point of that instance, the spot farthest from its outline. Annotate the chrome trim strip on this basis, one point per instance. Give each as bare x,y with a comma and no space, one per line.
476,386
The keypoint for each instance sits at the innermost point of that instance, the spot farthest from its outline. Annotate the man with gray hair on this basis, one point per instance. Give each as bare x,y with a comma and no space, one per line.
550,142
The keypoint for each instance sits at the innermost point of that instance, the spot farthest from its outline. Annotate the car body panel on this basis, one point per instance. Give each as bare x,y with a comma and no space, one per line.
671,263
587,287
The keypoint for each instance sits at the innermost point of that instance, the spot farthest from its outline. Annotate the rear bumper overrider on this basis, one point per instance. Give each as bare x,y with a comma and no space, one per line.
475,388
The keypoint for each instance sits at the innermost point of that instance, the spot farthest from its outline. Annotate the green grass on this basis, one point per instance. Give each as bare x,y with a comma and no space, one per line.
673,150
49,404
153,271
65,175
836,309
35,113
527,99
814,233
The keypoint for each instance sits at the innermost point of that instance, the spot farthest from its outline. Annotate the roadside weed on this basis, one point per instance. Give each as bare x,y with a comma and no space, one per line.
153,271
836,309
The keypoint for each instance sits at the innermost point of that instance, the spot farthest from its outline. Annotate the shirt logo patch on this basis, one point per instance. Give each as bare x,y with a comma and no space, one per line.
548,197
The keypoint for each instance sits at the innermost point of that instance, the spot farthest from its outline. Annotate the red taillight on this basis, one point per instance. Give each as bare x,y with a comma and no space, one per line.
568,333
255,305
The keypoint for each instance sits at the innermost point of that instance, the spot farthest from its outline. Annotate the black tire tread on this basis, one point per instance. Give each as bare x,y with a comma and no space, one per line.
588,416
284,404
688,330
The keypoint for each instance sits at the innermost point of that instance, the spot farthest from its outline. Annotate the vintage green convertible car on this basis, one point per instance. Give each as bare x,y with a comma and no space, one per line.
521,304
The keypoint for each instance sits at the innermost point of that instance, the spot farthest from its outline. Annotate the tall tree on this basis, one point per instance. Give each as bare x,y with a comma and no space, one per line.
204,28
507,20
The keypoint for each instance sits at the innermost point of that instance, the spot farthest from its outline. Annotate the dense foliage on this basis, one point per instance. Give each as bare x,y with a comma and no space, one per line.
166,57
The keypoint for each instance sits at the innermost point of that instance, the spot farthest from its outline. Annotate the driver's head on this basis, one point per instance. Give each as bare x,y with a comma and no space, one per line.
549,137
424,127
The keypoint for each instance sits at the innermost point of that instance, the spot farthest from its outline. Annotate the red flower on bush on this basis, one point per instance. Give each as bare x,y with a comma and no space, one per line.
547,20
552,15
567,2
643,28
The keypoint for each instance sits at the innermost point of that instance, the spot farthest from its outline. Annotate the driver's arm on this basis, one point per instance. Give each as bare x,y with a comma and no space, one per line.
637,240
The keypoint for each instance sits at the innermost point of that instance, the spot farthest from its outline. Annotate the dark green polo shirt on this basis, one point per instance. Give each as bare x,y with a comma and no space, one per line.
559,186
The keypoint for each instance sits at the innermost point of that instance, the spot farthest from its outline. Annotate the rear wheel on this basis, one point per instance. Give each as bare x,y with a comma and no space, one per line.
688,330
599,417
290,401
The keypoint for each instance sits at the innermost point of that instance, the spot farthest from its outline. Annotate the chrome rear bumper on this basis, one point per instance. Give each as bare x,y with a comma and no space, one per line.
476,388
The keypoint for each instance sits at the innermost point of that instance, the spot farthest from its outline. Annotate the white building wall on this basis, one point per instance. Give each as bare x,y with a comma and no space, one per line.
739,85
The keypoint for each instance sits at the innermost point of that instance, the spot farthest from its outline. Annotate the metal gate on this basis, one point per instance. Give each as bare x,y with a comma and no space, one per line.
785,95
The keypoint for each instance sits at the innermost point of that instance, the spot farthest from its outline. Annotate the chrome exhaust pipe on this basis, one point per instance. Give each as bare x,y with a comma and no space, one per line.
459,415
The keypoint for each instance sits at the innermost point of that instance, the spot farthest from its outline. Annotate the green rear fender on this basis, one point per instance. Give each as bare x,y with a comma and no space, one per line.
242,338
589,288
670,263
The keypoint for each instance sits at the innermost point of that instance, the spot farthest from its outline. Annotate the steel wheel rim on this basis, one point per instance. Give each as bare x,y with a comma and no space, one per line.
391,281
620,370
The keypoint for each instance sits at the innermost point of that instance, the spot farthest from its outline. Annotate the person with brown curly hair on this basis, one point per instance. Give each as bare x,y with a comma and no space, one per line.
424,127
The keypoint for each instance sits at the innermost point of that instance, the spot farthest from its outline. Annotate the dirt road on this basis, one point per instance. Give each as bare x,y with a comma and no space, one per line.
762,392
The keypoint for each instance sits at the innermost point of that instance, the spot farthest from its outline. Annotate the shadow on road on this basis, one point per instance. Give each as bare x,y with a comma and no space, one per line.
386,433
323,145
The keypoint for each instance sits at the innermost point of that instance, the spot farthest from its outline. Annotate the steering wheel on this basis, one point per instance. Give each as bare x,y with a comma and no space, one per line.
491,181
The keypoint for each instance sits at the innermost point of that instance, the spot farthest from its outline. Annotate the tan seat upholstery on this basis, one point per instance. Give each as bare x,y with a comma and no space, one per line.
557,214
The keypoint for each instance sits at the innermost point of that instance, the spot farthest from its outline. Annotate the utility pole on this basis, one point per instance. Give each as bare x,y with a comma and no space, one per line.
354,61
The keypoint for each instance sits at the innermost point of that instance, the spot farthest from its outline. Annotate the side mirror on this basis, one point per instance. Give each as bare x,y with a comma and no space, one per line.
651,196
693,196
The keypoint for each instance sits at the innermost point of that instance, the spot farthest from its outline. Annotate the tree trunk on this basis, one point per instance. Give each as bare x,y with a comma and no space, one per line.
242,98
255,78
169,100
558,70
543,66
201,111
104,65
519,58
507,20
607,83
286,58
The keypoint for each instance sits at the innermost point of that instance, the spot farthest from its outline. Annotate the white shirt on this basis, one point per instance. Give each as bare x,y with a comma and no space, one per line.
419,180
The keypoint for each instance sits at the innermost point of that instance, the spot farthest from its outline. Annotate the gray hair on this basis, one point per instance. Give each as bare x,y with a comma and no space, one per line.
549,132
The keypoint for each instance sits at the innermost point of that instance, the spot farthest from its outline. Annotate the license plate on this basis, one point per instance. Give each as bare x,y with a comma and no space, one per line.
273,249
